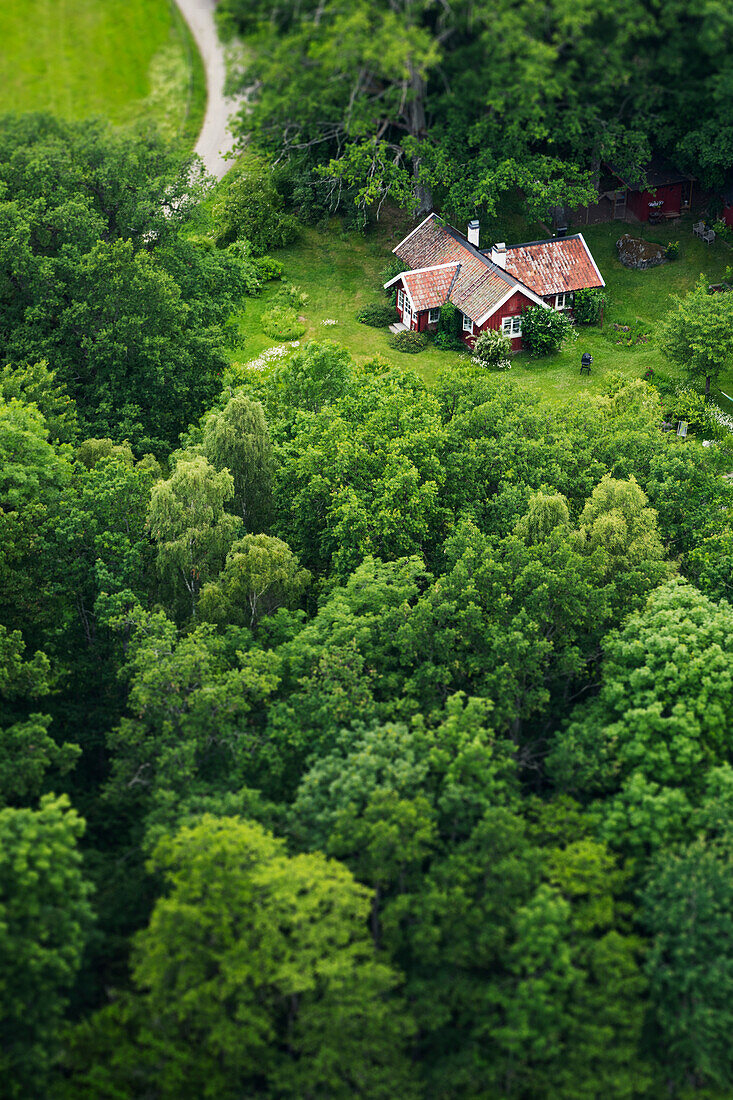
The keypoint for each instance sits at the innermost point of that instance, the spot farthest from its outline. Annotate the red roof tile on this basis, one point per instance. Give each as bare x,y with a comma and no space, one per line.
550,267
429,289
537,269
478,285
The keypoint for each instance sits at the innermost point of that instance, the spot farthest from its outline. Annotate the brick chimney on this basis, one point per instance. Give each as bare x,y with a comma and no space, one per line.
498,254
473,232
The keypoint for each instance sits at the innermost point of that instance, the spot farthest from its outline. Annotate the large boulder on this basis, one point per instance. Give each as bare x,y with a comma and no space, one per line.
633,252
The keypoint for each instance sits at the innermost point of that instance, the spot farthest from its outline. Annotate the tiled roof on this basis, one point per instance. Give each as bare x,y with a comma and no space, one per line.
550,267
430,288
537,269
479,284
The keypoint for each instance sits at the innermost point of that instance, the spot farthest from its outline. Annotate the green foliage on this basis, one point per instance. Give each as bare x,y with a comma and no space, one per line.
588,305
268,268
544,331
237,438
290,295
410,341
254,976
672,250
315,376
251,209
492,349
377,315
281,322
128,311
395,267
44,921
26,749
193,701
260,574
644,745
687,912
448,335
187,519
697,334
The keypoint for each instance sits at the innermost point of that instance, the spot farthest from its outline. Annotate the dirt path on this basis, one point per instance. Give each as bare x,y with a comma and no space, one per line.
215,138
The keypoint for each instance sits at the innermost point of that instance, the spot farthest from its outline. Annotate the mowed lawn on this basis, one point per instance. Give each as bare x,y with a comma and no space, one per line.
341,271
120,59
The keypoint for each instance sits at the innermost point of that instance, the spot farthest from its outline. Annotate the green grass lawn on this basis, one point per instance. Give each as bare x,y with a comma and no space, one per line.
121,59
341,271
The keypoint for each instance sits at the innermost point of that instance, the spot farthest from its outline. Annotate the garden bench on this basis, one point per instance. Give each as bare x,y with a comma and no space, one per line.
698,229
708,236
585,362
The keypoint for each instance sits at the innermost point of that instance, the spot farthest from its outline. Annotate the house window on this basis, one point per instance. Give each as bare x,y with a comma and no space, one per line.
512,326
433,316
564,300
400,300
467,324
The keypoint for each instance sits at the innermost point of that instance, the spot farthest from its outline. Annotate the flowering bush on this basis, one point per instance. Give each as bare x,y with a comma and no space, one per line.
492,349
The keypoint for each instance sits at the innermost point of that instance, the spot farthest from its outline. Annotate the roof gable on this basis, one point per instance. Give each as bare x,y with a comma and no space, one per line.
479,285
555,265
430,287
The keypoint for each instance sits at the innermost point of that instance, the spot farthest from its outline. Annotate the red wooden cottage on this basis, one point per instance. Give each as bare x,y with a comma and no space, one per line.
660,191
491,288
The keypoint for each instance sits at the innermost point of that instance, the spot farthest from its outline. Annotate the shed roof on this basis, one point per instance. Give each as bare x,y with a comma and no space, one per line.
659,172
555,265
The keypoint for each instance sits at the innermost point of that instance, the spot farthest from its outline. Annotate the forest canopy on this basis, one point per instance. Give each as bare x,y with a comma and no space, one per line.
360,735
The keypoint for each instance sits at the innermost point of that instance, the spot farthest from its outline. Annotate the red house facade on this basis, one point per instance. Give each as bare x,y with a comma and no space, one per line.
490,288
662,191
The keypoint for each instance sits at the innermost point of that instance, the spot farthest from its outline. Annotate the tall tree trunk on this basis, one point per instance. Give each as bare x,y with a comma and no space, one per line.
416,122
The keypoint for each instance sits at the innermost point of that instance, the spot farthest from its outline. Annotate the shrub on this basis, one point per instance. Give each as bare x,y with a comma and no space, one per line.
394,267
587,305
448,336
672,250
281,322
290,295
252,209
268,268
544,331
377,314
492,349
410,342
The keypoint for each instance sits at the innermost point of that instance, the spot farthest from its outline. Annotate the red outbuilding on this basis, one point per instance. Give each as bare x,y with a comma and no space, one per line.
660,191
491,288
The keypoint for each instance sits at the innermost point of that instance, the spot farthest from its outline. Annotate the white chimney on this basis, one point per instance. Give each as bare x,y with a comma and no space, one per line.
473,232
498,254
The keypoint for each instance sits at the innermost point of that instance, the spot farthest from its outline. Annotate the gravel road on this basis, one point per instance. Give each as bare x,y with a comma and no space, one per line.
215,138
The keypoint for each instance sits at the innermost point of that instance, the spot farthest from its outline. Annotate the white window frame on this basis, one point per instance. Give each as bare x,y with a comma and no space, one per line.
467,324
512,326
400,299
564,300
407,313
433,316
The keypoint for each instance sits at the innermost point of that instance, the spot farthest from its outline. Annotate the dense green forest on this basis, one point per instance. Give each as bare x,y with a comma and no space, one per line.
359,737
457,102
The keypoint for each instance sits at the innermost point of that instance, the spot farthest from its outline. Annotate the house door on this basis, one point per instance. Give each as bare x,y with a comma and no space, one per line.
619,206
406,315
686,194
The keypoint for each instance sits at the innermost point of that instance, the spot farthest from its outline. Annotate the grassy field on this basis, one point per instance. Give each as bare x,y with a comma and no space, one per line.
121,59
341,271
